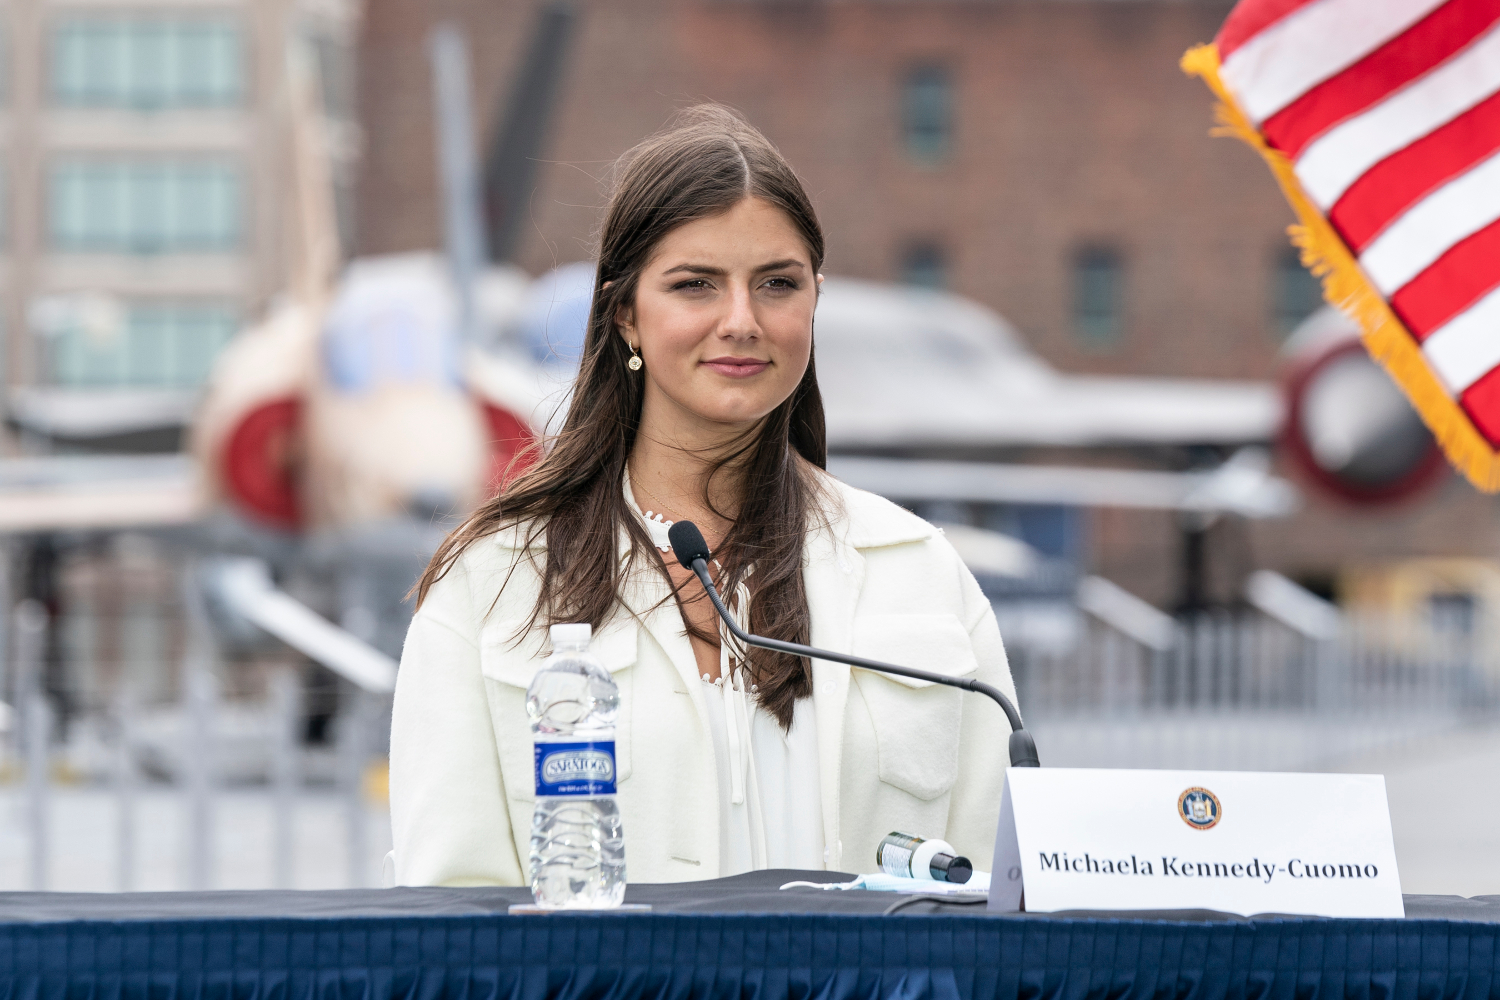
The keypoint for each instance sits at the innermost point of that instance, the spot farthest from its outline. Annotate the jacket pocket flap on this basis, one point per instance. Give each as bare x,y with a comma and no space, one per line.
516,663
935,643
916,722
617,643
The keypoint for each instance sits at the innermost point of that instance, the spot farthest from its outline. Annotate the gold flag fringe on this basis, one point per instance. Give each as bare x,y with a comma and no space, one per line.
1345,286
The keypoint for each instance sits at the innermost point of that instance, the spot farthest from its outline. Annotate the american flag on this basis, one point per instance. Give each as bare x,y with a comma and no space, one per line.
1381,119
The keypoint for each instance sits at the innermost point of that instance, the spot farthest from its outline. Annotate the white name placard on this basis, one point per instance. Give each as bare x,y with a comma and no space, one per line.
1238,842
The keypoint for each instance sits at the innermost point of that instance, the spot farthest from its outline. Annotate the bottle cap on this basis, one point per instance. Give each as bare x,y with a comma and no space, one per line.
957,870
571,635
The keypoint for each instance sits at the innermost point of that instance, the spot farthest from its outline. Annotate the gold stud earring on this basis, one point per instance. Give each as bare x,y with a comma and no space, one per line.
635,362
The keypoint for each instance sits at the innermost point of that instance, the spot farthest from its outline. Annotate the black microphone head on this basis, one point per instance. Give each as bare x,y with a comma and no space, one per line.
688,544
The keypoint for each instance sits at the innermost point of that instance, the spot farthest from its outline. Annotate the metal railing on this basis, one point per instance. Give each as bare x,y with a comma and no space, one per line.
1287,682
199,780
234,776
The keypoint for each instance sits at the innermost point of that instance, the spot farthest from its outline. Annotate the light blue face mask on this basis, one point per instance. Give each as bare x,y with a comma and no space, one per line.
881,882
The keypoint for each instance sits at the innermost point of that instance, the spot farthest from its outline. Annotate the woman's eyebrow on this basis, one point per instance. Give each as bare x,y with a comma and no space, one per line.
695,269
775,265
779,265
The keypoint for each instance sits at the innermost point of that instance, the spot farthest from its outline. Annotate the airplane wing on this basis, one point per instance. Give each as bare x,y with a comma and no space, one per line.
80,416
79,492
1243,485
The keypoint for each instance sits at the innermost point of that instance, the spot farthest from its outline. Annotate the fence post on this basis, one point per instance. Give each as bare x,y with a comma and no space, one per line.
36,721
286,718
1333,693
198,697
353,744
1203,660
9,686
38,737
126,786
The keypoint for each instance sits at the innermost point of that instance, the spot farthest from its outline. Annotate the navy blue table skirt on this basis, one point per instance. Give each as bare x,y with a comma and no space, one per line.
827,955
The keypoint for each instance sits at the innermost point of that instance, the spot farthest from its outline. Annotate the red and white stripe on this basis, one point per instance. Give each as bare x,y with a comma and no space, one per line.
1390,113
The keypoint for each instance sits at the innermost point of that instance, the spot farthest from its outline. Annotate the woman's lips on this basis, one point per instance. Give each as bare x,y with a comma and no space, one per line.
737,367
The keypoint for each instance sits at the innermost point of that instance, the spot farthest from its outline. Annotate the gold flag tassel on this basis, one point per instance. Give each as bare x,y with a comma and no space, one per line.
1345,286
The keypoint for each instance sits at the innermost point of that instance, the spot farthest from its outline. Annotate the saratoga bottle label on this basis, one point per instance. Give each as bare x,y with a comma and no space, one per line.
581,769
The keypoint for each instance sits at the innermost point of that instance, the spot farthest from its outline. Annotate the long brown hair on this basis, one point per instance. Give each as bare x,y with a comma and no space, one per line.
703,164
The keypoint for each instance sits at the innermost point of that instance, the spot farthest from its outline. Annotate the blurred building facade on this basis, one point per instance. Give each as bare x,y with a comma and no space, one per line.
145,182
1046,158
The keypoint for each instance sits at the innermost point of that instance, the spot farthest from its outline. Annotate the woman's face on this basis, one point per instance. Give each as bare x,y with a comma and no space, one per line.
723,320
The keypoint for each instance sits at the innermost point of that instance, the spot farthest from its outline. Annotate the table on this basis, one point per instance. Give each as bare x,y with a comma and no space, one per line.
737,937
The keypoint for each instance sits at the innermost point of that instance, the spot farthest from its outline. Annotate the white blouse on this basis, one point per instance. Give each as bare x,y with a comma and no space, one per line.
770,803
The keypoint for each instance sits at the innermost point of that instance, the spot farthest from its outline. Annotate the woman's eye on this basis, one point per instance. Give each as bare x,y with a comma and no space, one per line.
691,285
781,284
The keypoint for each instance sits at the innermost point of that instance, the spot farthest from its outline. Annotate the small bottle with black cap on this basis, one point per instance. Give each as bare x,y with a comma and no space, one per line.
906,856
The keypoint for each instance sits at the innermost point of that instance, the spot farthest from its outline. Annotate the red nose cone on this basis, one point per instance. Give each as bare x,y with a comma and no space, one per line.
261,462
508,439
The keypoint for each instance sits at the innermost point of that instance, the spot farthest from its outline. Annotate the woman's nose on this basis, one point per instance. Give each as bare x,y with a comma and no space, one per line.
740,322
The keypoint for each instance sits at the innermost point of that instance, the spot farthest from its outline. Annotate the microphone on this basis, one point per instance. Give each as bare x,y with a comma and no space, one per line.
693,553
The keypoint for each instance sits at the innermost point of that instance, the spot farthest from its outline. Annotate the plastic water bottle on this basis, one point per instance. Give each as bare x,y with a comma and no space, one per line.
577,846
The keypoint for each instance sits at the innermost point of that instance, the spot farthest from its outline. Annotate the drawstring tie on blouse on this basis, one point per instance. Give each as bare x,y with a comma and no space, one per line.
739,710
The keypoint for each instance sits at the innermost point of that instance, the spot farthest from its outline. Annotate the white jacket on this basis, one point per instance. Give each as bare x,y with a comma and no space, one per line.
894,754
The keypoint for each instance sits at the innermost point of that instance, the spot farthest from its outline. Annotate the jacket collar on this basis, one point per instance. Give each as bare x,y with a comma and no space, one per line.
865,521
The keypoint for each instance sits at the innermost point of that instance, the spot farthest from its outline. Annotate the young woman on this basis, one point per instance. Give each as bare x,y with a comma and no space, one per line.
697,400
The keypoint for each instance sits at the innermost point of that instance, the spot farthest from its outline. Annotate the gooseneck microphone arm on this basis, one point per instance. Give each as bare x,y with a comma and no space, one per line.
693,553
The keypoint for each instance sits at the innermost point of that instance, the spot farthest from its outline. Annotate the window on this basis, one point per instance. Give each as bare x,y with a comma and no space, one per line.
160,345
1097,293
925,266
144,206
1297,293
147,63
927,114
